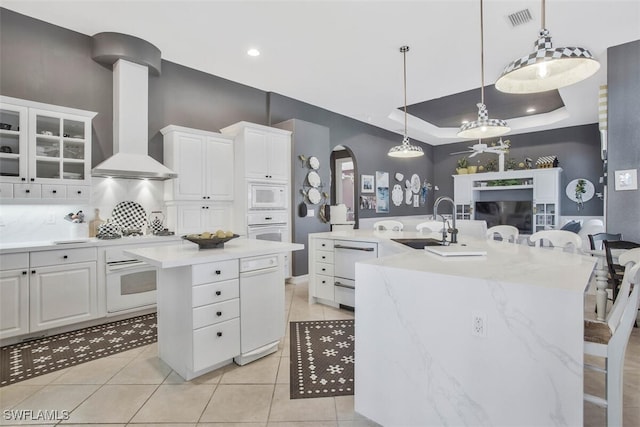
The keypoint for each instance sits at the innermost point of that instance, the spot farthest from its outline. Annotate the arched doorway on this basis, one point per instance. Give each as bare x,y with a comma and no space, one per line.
344,181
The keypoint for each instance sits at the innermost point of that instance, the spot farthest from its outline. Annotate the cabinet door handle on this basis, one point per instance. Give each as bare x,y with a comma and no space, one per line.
218,272
33,272
23,179
32,179
219,334
219,313
24,273
218,293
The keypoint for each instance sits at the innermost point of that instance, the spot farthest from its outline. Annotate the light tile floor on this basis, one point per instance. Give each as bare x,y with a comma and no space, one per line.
136,388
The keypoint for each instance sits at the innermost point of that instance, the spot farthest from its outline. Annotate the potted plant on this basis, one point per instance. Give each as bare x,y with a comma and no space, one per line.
491,166
461,166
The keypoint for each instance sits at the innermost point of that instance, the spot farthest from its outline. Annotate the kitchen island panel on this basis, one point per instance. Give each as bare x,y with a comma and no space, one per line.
420,363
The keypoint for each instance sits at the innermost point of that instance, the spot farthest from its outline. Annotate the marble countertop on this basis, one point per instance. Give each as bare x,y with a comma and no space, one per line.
170,256
44,245
504,262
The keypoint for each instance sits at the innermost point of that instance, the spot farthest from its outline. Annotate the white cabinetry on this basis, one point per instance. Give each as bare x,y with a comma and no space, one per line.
45,150
62,288
199,199
263,153
14,295
540,186
199,310
322,281
203,161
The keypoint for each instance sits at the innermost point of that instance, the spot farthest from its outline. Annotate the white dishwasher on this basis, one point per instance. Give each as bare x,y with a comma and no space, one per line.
261,307
346,254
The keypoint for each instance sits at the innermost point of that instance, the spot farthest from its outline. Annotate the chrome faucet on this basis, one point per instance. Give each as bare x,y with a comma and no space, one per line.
453,230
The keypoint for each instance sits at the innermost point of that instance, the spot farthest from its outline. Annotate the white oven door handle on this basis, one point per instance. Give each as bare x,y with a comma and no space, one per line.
126,266
342,285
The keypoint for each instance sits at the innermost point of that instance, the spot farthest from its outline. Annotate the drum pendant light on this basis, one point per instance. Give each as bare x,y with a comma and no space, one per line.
405,149
547,68
484,127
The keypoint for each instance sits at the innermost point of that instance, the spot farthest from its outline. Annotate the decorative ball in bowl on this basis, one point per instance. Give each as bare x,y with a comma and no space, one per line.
208,240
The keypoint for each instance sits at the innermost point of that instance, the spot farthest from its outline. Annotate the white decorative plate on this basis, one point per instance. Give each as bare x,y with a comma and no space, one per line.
314,196
314,179
314,163
588,187
415,183
399,176
397,195
408,196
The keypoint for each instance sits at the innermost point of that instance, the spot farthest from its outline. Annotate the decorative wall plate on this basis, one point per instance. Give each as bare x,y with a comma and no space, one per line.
314,196
415,183
397,195
408,196
588,188
314,163
314,179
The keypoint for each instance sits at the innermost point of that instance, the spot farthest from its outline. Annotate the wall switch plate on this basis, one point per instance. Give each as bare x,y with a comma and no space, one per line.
479,324
310,212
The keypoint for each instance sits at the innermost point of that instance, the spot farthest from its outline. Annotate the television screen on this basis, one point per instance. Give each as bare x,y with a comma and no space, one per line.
516,213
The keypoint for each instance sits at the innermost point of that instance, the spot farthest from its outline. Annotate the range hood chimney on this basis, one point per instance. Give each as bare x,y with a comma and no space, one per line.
132,60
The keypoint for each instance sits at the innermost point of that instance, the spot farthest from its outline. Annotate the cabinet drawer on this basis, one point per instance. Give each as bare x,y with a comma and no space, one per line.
75,192
52,191
215,313
215,272
324,268
62,256
14,261
324,256
215,292
325,287
6,190
216,343
27,191
324,244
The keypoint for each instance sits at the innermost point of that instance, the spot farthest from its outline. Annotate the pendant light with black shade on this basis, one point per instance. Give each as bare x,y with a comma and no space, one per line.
547,68
483,127
405,150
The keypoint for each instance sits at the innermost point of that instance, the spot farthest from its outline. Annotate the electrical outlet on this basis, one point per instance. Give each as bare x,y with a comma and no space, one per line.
479,324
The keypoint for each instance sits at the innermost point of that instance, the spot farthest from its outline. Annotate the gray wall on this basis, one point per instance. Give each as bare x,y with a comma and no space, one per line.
623,79
577,148
368,144
308,139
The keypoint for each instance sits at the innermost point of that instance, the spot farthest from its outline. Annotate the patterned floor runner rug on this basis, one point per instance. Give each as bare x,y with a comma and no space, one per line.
19,362
322,359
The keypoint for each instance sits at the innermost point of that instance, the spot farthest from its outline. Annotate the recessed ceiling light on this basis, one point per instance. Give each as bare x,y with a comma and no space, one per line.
253,52
531,110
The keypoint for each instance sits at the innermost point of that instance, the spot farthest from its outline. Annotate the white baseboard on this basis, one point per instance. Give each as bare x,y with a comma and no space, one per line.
298,279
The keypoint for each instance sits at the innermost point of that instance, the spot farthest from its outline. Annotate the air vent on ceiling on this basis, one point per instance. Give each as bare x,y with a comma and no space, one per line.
520,17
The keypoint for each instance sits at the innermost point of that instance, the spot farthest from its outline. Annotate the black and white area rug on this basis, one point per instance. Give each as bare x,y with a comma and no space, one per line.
322,359
19,362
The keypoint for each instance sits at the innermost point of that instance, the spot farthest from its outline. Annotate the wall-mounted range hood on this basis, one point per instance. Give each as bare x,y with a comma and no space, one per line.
132,59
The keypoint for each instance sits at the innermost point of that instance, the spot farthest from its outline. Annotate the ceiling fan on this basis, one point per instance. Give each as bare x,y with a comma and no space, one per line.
500,149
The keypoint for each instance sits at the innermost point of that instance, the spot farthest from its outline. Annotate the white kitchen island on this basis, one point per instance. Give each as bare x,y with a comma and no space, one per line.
474,341
218,305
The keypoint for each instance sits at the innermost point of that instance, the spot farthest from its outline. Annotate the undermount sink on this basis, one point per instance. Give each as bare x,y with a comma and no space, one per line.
418,243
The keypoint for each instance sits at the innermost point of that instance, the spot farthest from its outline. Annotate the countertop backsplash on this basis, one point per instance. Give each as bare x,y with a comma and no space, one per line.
46,222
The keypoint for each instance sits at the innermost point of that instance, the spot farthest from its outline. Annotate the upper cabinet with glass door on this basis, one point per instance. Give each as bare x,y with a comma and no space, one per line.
13,142
61,146
44,144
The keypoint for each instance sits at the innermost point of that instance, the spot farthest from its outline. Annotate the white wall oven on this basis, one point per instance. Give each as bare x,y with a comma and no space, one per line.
267,196
272,226
130,284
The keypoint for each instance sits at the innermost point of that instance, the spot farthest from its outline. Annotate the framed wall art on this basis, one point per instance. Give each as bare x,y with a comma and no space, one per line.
367,184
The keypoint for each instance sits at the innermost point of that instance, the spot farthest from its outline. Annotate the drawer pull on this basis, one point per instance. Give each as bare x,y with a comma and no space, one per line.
324,257
219,313
219,334
218,293
324,281
354,248
79,191
65,256
55,191
324,269
27,191
218,272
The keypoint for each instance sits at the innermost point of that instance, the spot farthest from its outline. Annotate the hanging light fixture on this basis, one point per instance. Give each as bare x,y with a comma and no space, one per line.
484,127
405,149
547,68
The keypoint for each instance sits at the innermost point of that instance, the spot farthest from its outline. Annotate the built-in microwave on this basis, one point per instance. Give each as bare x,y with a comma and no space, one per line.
267,196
